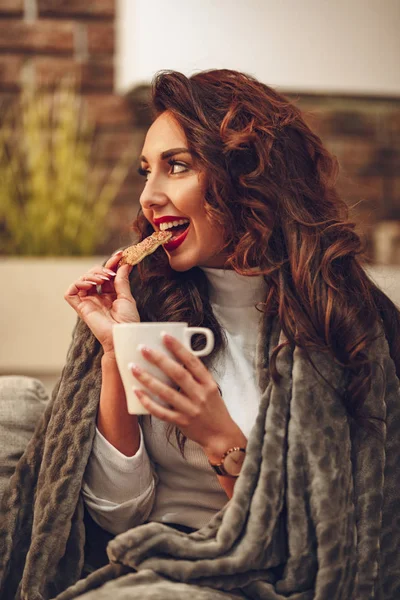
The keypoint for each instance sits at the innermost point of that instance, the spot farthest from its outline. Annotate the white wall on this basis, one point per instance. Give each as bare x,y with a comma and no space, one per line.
350,46
35,321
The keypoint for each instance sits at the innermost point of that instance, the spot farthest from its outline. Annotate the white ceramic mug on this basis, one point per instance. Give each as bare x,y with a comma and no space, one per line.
128,336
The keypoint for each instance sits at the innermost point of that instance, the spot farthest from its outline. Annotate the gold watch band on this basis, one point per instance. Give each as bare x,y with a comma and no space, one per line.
220,467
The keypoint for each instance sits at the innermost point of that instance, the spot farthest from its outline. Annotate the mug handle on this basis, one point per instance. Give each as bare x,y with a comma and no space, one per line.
189,331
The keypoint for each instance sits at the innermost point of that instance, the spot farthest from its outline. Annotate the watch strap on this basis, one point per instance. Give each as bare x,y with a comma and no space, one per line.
219,469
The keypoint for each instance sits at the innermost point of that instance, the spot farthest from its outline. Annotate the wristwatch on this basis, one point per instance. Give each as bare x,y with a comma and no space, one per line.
231,462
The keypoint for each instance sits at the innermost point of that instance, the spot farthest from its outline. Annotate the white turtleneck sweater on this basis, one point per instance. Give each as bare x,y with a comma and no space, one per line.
157,483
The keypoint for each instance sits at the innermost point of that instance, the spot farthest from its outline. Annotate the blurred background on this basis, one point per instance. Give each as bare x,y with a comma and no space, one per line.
74,83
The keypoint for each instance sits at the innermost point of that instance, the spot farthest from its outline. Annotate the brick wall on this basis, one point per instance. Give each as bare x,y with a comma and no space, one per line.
364,134
43,40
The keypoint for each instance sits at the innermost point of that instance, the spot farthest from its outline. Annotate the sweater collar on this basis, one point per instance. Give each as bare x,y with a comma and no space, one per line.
228,288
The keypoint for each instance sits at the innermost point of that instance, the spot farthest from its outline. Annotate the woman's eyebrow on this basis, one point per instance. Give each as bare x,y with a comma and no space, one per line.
168,153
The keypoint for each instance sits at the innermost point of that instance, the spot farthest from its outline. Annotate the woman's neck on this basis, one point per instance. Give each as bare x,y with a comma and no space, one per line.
228,288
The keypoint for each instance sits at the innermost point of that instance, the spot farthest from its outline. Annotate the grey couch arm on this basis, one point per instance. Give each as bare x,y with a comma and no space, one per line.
22,403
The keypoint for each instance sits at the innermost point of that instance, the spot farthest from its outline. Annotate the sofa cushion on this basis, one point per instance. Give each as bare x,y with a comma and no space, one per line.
22,403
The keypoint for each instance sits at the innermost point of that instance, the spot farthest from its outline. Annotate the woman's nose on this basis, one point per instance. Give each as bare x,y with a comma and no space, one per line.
151,197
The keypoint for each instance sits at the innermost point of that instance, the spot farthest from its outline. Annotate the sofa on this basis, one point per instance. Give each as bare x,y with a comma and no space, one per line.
22,403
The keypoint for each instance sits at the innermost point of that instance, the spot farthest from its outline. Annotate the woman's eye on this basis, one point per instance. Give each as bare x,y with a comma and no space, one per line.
181,168
174,164
143,172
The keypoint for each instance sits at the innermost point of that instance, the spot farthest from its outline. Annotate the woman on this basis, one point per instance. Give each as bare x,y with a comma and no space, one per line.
266,240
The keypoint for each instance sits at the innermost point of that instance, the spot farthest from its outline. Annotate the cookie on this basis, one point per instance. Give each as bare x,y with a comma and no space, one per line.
136,253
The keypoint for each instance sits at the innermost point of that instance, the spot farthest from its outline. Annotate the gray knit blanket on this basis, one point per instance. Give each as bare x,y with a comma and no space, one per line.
315,512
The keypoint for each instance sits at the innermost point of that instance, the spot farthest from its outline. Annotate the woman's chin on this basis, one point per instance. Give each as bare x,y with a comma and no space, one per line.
179,262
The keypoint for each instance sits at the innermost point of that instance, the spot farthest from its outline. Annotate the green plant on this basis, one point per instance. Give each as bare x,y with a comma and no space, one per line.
54,199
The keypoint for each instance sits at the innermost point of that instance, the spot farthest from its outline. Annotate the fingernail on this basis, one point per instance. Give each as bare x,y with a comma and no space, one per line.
91,282
135,368
142,347
166,337
109,271
104,277
117,253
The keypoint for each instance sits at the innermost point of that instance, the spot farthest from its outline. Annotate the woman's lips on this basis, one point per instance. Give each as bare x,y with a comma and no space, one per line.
173,244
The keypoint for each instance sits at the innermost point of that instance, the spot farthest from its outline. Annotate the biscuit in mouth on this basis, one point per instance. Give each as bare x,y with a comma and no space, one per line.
177,230
136,253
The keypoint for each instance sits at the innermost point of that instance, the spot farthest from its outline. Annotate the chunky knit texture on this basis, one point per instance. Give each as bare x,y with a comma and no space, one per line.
315,513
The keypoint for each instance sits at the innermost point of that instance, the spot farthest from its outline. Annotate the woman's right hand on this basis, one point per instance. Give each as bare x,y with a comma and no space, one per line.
114,305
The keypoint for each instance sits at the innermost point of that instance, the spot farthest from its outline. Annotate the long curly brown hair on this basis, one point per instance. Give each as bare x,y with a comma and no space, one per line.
270,186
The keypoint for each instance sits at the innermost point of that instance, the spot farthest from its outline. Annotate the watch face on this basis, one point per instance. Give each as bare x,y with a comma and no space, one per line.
233,462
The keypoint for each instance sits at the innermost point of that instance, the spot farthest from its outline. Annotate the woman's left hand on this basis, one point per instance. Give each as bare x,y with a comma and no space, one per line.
198,408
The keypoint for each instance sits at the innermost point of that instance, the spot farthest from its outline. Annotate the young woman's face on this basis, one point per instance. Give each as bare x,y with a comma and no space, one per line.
174,188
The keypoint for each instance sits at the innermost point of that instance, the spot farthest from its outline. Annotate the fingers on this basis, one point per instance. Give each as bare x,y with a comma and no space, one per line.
185,357
89,282
78,289
161,412
121,282
183,377
113,280
97,275
112,262
176,400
